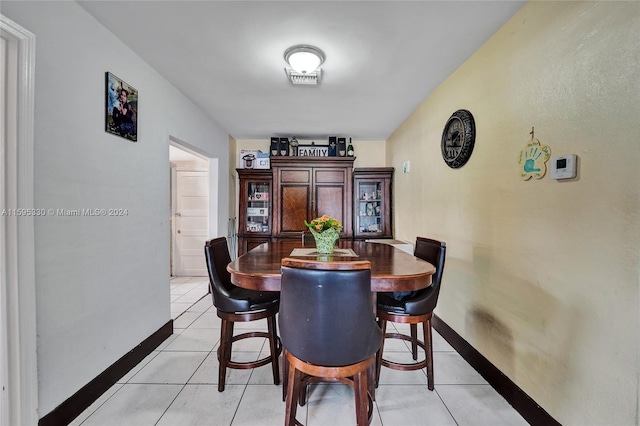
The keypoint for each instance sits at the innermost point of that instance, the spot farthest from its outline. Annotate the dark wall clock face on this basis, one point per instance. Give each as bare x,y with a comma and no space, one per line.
458,137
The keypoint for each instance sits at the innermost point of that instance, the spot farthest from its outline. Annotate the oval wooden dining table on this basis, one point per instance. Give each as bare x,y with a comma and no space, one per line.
391,269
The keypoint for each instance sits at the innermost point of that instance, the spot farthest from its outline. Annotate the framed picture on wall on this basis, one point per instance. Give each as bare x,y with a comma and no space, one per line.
121,103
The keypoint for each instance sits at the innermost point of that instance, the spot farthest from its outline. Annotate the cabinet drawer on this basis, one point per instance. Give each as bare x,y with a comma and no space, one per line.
295,176
329,176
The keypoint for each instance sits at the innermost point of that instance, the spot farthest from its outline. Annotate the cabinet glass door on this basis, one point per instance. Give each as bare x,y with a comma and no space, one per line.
369,208
259,194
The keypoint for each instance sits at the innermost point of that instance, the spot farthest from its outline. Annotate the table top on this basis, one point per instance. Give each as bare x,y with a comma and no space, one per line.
391,269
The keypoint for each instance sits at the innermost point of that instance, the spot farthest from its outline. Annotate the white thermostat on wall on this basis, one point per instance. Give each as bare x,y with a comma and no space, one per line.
563,167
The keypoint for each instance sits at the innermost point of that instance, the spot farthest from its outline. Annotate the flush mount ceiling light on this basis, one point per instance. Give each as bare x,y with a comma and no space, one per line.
305,61
303,58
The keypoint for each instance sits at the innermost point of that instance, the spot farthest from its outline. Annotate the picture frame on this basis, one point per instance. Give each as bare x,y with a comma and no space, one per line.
121,108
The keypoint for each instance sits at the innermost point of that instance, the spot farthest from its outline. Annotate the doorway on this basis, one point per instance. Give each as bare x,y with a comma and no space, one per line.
189,202
18,347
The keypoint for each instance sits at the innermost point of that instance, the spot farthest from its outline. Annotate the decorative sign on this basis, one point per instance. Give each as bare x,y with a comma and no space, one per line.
533,159
313,150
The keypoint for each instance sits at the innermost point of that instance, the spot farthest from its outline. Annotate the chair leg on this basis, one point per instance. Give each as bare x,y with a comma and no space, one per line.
285,374
371,379
414,341
302,395
293,390
362,399
224,352
273,340
428,352
383,326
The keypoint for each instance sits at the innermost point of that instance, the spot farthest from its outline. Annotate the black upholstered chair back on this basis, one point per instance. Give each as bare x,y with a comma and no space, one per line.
326,311
217,255
235,304
434,252
414,309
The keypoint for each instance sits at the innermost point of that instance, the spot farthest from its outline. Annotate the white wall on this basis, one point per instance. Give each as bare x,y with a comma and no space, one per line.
542,276
101,282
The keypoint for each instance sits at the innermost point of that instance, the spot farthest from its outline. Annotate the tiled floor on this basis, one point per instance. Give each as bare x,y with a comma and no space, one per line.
177,384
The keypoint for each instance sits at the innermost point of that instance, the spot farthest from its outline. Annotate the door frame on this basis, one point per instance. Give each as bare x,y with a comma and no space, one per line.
172,201
212,167
19,347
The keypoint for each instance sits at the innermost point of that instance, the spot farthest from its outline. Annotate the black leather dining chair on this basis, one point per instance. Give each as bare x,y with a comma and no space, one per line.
234,304
416,308
328,329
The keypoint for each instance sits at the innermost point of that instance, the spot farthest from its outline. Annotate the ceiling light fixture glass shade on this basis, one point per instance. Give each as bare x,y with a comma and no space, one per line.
303,58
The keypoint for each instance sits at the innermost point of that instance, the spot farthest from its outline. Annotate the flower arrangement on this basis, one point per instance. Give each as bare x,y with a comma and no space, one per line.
325,230
323,223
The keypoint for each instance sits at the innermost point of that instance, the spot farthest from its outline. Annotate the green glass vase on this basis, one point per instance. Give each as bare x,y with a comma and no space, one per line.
325,240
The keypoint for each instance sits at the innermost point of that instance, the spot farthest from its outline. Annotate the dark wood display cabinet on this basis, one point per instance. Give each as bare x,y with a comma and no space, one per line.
254,215
309,187
274,203
372,204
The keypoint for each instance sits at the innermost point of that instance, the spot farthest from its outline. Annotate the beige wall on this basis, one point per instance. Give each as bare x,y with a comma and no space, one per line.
542,276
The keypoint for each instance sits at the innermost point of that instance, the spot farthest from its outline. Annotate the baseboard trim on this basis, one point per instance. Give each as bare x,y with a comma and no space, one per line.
64,413
532,412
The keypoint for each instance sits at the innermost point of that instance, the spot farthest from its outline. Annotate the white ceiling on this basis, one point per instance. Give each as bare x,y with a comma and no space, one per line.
383,57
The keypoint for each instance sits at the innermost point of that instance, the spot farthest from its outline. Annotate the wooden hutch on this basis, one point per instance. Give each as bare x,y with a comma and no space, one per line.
274,203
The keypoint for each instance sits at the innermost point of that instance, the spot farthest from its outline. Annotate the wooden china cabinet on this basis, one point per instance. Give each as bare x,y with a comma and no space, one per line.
372,204
309,187
254,214
274,203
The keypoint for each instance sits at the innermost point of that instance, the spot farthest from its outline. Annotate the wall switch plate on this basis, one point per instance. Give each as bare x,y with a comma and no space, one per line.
405,167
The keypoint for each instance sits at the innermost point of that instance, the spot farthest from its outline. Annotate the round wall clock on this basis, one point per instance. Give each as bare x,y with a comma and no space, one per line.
458,137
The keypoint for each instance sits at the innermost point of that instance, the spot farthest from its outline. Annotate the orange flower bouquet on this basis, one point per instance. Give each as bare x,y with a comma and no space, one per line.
326,231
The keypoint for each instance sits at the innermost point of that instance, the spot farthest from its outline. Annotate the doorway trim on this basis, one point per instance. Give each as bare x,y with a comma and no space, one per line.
174,169
18,242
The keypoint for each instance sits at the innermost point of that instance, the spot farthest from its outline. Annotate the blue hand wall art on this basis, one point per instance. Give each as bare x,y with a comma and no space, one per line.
533,159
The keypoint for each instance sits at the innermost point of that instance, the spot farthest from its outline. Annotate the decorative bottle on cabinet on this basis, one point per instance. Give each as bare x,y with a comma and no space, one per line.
372,203
350,152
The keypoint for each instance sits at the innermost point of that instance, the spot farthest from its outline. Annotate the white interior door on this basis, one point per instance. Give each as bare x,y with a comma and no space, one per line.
191,222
